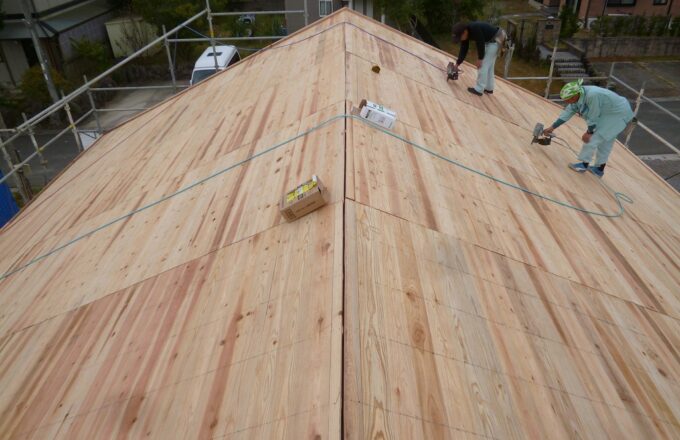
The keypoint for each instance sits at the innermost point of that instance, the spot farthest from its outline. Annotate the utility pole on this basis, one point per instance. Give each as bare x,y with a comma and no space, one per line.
306,14
212,37
28,19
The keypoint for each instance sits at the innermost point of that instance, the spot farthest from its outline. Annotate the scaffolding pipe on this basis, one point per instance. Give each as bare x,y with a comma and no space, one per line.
508,60
12,169
171,65
80,90
611,73
72,125
225,14
108,89
121,109
198,40
212,33
522,78
306,14
552,68
31,134
35,153
44,66
94,107
659,138
637,108
646,99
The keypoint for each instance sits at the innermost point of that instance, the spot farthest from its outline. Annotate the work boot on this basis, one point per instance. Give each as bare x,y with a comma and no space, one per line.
490,92
474,92
579,167
597,171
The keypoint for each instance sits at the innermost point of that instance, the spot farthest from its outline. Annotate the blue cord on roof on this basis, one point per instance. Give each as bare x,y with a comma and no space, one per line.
619,197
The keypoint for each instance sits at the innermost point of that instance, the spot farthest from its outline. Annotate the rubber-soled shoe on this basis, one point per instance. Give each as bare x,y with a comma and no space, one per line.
595,170
579,167
474,92
489,92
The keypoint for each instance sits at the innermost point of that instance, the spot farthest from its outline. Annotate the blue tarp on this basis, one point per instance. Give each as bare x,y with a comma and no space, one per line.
8,207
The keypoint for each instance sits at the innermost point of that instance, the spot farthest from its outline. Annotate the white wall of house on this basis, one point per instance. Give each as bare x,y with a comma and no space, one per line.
13,58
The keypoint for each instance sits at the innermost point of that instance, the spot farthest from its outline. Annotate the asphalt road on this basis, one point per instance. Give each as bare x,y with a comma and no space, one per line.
643,143
57,155
662,83
65,149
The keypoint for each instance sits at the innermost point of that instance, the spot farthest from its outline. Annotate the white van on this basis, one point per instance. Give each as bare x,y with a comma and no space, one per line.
205,64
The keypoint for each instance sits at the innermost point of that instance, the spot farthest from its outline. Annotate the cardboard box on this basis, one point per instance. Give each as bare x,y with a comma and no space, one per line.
377,114
304,199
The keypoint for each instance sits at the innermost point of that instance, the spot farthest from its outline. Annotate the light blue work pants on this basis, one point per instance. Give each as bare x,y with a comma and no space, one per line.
600,146
485,75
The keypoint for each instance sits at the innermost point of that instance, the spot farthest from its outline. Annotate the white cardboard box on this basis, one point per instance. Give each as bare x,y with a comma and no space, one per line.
377,114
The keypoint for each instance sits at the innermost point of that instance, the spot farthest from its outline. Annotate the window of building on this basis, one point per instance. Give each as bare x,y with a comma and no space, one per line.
660,2
325,7
621,2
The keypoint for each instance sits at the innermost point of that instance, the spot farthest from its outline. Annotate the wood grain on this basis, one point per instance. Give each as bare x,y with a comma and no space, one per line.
424,301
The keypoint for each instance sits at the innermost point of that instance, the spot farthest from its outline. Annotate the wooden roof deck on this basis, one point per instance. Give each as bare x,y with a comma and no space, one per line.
424,301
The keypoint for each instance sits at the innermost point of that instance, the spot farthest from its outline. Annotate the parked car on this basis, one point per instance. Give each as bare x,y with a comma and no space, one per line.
205,64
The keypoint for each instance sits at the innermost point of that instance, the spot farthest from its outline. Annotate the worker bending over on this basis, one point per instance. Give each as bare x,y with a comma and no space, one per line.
490,40
606,113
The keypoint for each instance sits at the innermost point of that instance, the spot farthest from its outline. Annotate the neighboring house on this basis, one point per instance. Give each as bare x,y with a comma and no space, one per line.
320,8
590,9
58,22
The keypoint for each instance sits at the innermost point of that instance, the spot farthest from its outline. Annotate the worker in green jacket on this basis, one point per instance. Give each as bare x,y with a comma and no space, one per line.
606,113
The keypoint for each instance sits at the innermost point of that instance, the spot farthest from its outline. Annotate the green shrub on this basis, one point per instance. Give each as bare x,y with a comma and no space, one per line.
634,25
91,57
569,22
34,89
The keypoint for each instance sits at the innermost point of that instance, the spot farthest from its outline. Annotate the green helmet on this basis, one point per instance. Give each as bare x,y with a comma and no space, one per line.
572,89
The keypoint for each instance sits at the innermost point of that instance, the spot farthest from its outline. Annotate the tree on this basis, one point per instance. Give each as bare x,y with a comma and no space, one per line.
92,57
171,12
569,22
34,89
439,15
468,9
166,12
401,11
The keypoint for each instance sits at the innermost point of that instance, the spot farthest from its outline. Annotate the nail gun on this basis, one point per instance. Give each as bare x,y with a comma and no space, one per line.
539,137
452,72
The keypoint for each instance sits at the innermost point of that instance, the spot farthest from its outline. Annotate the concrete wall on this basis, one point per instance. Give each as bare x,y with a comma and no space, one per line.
15,63
127,35
605,47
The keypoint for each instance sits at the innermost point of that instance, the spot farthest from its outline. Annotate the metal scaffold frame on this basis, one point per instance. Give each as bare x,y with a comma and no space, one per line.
28,127
89,88
609,78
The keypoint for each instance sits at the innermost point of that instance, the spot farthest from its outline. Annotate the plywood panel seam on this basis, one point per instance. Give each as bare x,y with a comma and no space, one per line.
521,379
142,281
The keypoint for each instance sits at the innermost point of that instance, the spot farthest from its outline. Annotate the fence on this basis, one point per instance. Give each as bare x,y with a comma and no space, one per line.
88,89
609,78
